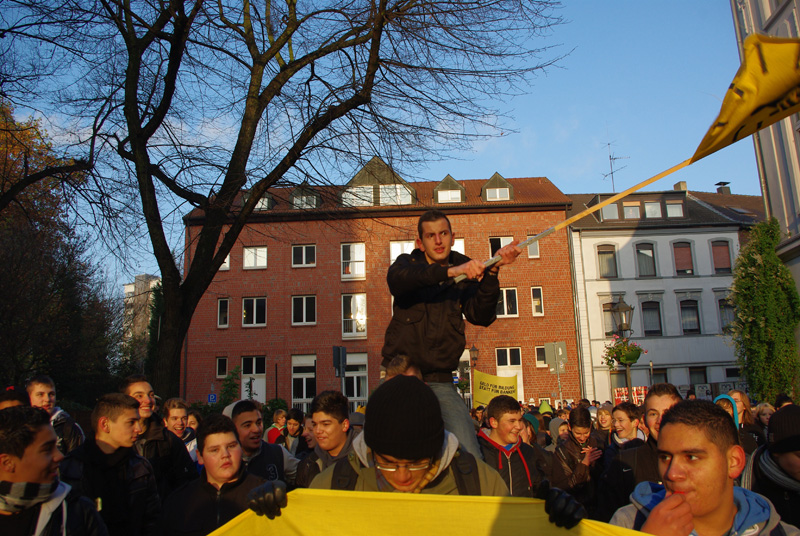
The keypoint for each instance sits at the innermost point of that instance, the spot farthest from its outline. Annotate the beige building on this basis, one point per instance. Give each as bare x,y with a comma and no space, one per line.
138,297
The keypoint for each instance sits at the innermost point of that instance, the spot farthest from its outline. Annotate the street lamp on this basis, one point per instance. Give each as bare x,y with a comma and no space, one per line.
622,314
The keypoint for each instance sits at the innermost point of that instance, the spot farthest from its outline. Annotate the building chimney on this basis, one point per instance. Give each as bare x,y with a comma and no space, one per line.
723,188
680,186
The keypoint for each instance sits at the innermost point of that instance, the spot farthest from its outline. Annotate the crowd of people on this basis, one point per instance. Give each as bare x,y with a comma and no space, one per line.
671,467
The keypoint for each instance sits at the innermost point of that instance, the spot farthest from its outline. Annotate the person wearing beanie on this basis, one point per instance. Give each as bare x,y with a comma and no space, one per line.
774,469
544,408
522,466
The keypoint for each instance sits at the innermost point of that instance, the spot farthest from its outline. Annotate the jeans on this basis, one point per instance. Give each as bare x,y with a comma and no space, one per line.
456,417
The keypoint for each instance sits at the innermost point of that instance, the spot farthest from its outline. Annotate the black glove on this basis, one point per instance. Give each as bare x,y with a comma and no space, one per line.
268,499
564,510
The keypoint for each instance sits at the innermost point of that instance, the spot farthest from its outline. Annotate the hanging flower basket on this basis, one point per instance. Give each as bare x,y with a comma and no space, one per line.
622,351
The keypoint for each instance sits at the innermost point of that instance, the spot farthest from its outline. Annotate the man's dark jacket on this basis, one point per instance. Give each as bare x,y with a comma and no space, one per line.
786,501
69,433
427,323
82,518
198,508
628,468
124,482
172,465
268,463
574,477
523,467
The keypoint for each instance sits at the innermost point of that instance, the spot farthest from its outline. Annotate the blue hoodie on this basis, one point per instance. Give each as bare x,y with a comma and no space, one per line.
754,513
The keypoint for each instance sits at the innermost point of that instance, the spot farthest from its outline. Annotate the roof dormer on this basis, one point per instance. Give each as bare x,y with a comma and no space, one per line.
449,191
377,184
497,189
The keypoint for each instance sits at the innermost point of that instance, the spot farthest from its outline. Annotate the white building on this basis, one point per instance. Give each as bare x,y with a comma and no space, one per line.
670,256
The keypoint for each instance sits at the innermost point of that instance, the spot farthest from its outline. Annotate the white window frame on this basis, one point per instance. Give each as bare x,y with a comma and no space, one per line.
301,362
540,363
504,241
508,356
399,247
227,322
460,246
353,327
304,301
448,196
626,206
262,204
651,205
599,264
605,212
498,194
696,300
256,361
541,301
394,195
255,300
217,362
660,318
254,258
303,248
533,249
226,264
304,201
679,205
358,196
504,292
356,268
357,380
636,259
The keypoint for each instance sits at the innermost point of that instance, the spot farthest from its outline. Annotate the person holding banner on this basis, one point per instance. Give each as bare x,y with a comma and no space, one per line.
427,323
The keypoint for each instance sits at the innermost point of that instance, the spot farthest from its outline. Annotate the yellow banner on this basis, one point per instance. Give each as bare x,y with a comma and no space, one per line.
765,90
312,512
485,387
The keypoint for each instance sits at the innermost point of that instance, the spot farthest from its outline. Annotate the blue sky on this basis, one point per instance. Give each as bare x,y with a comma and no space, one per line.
648,77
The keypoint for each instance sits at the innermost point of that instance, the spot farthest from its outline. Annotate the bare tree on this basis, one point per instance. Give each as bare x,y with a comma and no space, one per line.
181,104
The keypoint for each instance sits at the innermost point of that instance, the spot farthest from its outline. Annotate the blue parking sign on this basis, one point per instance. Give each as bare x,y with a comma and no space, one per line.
212,398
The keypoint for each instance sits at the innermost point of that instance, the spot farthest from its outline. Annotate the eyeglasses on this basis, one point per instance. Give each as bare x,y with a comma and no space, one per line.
392,467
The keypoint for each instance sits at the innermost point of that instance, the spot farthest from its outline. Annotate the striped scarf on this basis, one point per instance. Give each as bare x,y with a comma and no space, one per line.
18,496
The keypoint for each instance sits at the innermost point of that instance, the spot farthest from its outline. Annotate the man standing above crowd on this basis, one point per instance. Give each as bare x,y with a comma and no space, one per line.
176,418
171,462
32,500
699,458
638,464
108,471
427,323
42,392
330,419
522,466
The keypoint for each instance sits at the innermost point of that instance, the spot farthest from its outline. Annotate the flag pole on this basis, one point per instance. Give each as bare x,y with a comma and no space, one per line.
494,260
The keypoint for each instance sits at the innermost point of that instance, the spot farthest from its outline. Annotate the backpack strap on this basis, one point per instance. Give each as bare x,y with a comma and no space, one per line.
465,471
345,475
638,521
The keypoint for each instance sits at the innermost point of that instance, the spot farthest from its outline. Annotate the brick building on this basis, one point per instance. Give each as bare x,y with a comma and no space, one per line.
308,273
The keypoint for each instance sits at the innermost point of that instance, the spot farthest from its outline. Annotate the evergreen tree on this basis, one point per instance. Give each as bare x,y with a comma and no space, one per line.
767,312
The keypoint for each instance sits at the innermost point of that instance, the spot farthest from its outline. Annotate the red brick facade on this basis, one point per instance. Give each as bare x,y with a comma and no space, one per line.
475,222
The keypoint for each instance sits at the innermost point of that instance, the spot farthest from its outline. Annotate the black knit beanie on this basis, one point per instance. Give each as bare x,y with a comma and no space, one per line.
404,420
783,431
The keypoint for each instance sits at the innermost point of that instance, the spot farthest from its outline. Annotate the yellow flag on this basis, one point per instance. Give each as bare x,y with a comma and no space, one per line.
485,387
765,90
311,512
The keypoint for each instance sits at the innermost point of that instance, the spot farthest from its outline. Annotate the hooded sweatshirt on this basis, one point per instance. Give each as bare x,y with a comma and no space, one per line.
522,466
755,515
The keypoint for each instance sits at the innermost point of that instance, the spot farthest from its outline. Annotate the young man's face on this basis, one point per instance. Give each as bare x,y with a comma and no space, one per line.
123,431
43,396
408,473
581,433
692,465
604,420
292,427
624,426
308,433
221,457
250,427
506,430
654,408
436,241
177,421
789,462
191,422
143,393
39,462
329,432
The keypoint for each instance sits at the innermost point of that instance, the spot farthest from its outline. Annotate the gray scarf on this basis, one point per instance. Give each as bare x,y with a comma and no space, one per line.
18,496
776,474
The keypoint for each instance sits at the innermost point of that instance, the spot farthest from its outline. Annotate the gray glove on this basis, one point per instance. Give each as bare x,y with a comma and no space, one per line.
268,499
564,510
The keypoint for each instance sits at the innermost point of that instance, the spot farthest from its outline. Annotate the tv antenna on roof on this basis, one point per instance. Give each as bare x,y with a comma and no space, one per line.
611,159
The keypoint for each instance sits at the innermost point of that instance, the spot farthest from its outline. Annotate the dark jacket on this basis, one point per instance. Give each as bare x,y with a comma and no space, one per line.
427,323
299,448
70,435
573,476
81,517
124,483
751,436
172,465
523,467
319,460
268,463
785,500
631,466
198,508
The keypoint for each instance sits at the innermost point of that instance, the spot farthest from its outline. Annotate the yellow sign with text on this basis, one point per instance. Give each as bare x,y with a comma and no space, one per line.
313,512
485,387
